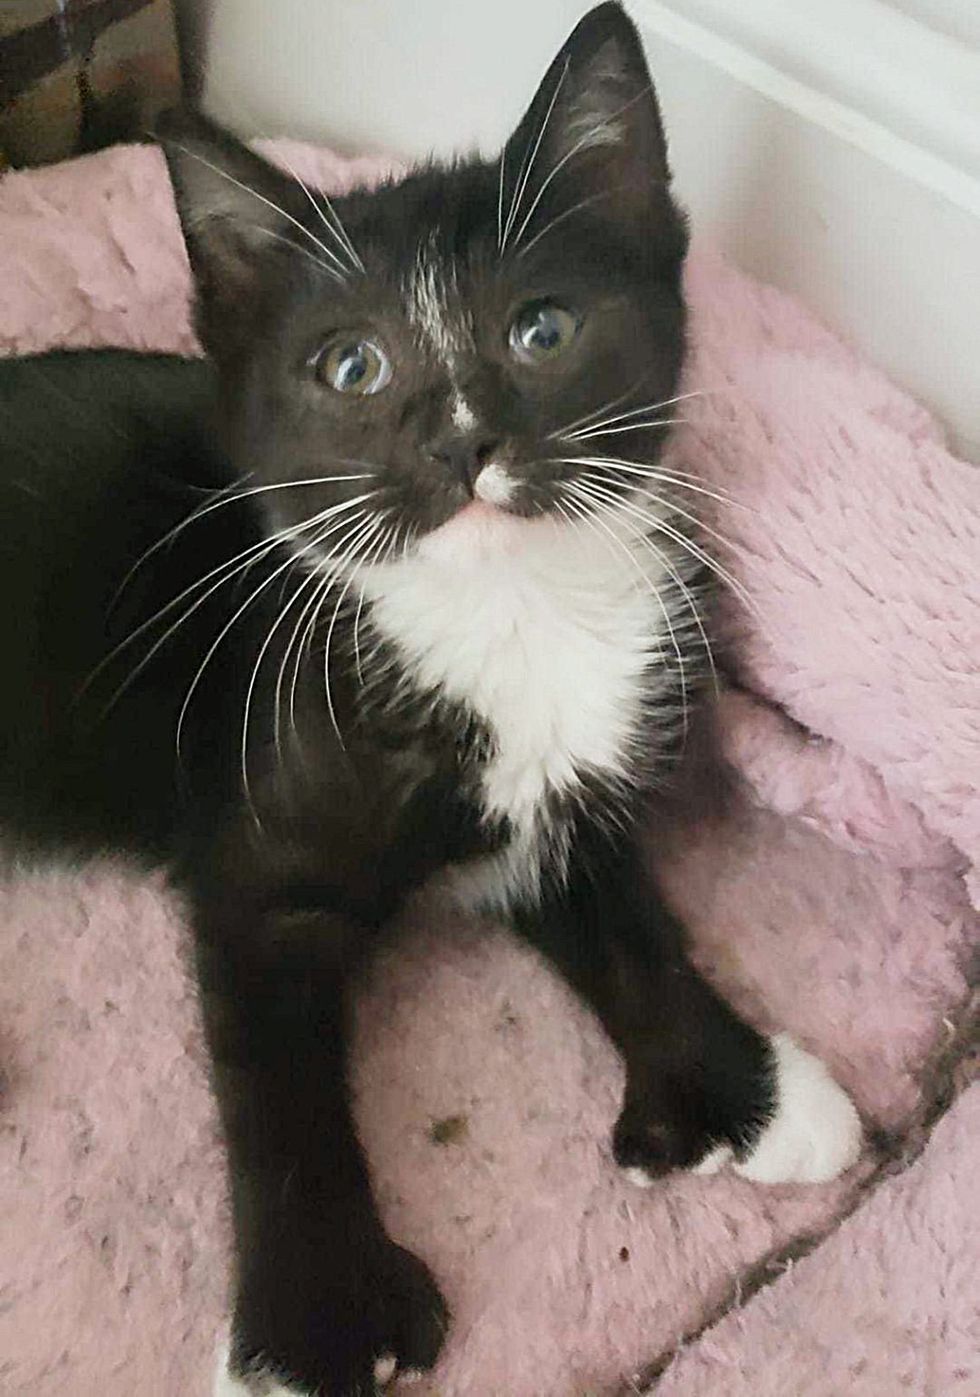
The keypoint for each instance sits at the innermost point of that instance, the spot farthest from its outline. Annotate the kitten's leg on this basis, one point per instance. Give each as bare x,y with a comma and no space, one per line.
325,1302
702,1086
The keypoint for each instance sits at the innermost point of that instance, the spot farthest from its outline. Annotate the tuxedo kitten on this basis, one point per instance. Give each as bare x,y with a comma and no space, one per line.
392,586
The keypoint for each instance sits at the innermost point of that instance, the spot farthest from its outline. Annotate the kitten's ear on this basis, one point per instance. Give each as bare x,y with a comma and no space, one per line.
593,133
233,206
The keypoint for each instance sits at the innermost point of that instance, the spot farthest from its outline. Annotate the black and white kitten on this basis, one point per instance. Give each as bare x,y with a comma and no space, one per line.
394,589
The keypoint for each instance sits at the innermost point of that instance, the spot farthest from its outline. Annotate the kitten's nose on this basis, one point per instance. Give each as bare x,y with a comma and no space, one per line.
463,453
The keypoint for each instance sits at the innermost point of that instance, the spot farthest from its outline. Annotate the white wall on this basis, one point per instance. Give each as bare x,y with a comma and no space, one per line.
876,230
959,19
832,146
411,77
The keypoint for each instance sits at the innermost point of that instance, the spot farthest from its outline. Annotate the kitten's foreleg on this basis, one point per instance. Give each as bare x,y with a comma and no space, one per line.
702,1086
325,1302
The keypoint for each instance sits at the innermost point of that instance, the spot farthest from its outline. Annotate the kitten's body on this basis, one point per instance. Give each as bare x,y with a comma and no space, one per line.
429,631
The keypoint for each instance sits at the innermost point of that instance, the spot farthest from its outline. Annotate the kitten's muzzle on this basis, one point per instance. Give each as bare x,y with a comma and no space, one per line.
462,454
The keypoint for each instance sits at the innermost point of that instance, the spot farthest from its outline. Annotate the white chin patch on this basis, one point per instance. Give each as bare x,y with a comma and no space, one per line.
816,1132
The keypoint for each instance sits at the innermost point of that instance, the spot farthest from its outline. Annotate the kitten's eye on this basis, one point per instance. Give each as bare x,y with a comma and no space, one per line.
542,331
353,366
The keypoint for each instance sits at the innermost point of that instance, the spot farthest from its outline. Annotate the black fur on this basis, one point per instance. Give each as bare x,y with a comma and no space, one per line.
291,882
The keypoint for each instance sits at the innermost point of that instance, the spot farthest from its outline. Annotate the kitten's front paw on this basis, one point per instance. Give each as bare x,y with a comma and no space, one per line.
259,1385
813,1135
384,1319
785,1121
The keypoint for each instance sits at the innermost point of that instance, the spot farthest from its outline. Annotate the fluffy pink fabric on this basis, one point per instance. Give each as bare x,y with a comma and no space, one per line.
830,901
904,1273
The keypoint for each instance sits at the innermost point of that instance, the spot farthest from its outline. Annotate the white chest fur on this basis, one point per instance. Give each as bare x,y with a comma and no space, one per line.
546,633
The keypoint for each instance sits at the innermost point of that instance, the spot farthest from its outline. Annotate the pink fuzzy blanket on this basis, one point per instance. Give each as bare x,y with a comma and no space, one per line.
838,899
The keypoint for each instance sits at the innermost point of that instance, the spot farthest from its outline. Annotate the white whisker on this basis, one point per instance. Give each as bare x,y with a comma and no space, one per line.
212,650
661,525
641,426
336,229
231,495
228,492
253,680
232,567
674,508
299,637
665,477
269,203
584,141
302,641
367,533
569,432
227,627
288,242
597,411
529,162
500,199
560,218
661,557
387,539
589,516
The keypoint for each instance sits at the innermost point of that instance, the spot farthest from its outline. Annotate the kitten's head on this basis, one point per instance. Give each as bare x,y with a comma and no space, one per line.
444,343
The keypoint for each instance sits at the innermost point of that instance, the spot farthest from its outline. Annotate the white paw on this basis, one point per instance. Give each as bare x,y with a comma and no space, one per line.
814,1135
225,1385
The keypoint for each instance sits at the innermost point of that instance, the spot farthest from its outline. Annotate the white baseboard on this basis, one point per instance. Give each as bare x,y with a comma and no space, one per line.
908,80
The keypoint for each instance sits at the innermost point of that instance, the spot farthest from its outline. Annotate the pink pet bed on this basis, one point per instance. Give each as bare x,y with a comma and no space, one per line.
837,899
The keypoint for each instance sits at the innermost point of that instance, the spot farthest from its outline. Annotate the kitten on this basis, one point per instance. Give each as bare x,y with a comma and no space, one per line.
392,587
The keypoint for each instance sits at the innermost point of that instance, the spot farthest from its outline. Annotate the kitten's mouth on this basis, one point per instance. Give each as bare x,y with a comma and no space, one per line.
476,514
475,522
496,511
494,490
479,509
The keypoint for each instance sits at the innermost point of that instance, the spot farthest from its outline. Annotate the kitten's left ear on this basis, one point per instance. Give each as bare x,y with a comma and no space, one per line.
235,209
592,133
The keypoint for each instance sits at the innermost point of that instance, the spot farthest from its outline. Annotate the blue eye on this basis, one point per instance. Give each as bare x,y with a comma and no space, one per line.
542,330
356,367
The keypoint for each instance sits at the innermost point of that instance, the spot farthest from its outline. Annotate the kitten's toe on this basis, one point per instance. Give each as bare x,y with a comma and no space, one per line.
385,1369
644,1163
227,1384
646,1149
420,1317
814,1132
714,1161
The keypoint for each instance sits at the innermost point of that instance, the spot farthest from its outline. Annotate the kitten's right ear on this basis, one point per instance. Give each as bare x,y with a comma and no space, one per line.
233,206
592,136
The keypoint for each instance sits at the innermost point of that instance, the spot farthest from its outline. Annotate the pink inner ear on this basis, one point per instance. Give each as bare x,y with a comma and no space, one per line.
596,113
